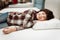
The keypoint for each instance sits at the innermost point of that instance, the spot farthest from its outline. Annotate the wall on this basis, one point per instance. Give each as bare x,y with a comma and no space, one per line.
53,5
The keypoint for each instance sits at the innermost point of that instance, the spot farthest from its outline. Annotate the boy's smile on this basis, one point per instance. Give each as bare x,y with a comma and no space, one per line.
41,16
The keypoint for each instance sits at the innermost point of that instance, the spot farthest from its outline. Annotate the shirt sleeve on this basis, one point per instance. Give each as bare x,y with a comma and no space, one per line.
19,28
34,21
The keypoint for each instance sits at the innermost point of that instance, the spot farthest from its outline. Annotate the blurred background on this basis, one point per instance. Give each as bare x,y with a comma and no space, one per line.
53,5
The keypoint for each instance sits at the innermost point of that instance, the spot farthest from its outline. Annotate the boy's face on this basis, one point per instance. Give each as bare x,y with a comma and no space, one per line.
41,16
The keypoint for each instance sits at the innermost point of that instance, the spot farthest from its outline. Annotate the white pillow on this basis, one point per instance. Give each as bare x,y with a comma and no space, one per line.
50,24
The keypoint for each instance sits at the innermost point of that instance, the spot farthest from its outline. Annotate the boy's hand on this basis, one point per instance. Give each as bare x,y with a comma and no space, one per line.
9,30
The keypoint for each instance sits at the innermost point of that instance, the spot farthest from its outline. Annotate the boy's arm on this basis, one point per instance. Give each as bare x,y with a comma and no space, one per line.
19,28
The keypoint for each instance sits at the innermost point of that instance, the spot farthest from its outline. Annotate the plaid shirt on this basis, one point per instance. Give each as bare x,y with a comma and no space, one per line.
21,20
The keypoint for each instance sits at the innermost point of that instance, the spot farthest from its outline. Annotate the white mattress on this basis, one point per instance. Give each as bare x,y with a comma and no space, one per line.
30,34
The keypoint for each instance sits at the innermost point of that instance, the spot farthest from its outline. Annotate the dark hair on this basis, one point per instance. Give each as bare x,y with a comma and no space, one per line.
48,12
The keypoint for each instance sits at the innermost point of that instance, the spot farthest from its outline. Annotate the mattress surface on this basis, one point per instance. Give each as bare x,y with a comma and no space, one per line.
30,34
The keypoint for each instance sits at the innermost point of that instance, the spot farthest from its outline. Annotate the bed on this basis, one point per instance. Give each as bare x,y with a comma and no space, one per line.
29,34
